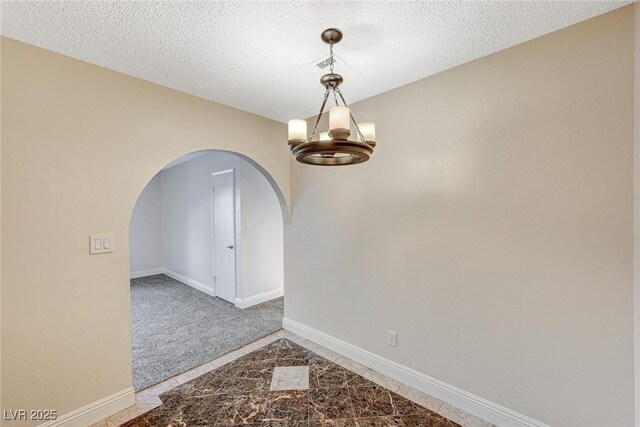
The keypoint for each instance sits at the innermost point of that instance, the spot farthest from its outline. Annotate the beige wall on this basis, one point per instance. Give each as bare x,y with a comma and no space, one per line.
79,143
492,229
636,257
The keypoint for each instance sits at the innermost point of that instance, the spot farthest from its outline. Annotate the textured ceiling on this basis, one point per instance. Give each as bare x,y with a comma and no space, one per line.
260,56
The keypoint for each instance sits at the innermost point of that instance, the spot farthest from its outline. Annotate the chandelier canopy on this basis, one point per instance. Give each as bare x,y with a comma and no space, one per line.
332,148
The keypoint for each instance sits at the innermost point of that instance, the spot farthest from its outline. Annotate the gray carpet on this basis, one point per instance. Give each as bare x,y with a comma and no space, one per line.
176,327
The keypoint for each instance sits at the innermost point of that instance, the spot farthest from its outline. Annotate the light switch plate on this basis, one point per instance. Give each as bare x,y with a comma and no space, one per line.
101,243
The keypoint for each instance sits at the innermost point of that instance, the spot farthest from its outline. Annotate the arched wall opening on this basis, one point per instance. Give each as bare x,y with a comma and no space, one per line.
85,164
175,243
282,200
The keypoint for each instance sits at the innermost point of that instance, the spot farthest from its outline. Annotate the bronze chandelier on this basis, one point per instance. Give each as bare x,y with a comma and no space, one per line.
332,148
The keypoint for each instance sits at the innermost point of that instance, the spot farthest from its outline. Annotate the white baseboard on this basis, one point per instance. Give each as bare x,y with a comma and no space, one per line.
260,298
145,273
187,281
96,411
475,405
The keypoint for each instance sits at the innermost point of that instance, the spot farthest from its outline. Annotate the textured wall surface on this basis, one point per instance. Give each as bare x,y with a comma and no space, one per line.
187,217
492,229
79,144
187,220
145,229
262,235
637,213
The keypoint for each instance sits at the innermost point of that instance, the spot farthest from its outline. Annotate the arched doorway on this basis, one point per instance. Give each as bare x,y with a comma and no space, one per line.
183,315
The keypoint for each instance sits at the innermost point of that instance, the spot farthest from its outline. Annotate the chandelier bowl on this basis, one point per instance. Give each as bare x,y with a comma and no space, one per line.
333,152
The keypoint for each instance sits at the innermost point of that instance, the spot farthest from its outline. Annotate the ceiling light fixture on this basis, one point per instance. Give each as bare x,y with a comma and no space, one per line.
333,148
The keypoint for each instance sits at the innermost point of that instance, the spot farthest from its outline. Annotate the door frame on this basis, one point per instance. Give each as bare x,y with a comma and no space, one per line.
237,233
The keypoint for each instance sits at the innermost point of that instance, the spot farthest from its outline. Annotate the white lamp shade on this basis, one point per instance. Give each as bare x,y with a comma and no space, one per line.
297,129
324,136
339,117
368,130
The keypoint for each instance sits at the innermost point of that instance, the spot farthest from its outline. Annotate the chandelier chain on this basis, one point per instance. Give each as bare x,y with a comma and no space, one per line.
335,98
324,102
336,92
331,57
359,133
336,89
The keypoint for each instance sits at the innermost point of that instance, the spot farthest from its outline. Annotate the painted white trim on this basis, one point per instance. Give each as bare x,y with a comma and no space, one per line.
238,234
96,411
475,405
145,273
260,298
179,277
187,281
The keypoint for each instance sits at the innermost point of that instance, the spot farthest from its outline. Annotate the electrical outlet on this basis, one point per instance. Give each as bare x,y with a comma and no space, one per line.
392,338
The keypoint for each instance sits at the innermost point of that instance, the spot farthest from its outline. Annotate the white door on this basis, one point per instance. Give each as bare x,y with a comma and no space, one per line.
224,235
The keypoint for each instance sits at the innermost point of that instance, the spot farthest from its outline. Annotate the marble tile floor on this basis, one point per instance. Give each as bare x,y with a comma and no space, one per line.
284,380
